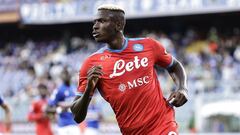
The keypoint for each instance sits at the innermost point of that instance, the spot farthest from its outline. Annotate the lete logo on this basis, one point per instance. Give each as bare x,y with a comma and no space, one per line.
120,67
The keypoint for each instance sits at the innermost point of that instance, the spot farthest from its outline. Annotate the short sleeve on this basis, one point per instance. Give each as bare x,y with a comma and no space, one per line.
161,57
82,82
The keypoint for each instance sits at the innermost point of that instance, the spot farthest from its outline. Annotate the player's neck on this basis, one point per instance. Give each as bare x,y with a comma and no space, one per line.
117,43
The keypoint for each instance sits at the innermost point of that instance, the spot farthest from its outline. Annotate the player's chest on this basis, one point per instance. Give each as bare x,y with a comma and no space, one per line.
117,66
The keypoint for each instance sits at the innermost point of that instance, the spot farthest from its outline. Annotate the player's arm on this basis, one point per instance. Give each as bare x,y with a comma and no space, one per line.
80,104
178,74
51,108
8,116
64,105
55,104
176,71
50,112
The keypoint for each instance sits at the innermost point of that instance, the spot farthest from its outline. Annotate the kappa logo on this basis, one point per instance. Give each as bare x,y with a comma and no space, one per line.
138,47
104,57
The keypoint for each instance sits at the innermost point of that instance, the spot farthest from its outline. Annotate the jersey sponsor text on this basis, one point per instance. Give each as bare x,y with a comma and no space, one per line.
120,66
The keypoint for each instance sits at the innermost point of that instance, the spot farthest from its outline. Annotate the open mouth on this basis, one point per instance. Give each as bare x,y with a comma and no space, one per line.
95,34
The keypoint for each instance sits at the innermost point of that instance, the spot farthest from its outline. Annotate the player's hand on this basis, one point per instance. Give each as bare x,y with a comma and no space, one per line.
93,76
178,98
49,112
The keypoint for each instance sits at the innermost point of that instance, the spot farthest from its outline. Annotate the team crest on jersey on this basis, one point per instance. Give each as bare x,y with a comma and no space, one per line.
138,47
122,87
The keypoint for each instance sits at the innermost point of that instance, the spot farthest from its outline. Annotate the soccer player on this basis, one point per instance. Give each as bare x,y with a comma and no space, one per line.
37,113
123,72
7,115
61,99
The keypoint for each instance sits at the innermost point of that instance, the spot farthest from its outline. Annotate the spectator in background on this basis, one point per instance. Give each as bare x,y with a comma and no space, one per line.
37,113
60,101
7,115
93,118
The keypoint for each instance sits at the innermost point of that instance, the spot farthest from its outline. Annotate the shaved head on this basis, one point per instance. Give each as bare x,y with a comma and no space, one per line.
111,7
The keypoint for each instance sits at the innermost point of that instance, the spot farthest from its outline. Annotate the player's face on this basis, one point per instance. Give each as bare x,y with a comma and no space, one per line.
43,92
104,29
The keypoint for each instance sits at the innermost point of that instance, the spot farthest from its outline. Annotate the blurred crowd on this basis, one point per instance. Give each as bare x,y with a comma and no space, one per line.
25,65
211,59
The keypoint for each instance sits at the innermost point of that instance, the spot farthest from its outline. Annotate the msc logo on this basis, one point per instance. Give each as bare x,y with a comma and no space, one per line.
138,47
138,82
134,83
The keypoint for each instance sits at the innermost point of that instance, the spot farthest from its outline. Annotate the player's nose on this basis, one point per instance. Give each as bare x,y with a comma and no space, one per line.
95,26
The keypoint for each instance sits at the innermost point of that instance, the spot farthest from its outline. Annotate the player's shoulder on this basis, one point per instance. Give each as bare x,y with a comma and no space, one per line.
145,42
62,88
94,57
99,51
137,39
96,54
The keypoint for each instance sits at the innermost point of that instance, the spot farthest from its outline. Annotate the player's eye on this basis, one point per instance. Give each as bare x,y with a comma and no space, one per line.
95,21
102,20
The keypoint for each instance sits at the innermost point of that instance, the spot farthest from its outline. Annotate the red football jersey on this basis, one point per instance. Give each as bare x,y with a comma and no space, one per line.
131,86
43,125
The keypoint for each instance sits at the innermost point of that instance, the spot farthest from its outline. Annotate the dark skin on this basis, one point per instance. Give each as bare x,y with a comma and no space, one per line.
108,28
7,116
177,72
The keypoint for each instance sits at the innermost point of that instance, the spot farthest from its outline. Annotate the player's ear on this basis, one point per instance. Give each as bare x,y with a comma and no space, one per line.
118,25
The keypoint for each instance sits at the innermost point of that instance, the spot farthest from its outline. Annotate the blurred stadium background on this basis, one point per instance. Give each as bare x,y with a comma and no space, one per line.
38,38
